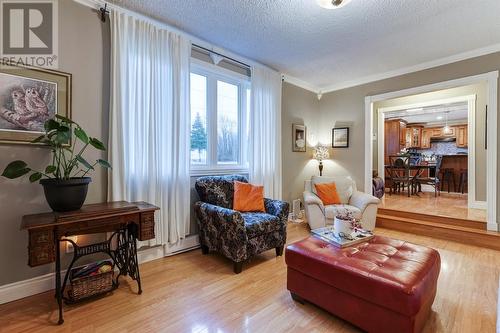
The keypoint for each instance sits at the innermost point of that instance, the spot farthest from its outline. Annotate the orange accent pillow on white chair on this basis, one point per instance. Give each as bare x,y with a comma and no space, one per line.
327,192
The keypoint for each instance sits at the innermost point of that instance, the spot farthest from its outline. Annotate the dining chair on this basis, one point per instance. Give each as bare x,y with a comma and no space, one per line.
433,181
399,170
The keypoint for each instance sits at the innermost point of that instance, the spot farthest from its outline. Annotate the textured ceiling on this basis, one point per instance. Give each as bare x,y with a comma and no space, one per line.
330,47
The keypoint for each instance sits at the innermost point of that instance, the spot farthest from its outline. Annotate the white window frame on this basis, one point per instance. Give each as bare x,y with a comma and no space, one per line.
213,74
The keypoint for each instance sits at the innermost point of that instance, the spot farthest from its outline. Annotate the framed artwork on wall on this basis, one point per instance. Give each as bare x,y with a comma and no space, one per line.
340,137
299,141
28,97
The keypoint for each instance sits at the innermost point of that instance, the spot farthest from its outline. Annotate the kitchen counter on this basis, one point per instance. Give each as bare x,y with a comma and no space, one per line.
456,163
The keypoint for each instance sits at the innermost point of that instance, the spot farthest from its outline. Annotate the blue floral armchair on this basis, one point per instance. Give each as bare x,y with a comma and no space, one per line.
238,236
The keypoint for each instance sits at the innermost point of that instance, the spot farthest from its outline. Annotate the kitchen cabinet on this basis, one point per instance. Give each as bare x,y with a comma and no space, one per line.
450,133
426,138
455,163
402,133
413,136
408,137
462,136
436,132
394,137
460,132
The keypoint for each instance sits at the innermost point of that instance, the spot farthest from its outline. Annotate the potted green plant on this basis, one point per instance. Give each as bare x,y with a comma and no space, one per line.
64,180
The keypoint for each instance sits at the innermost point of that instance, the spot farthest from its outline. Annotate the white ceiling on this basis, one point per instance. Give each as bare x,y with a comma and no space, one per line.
435,114
330,48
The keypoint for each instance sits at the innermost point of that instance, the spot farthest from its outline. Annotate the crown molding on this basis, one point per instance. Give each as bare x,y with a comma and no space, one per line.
302,84
412,69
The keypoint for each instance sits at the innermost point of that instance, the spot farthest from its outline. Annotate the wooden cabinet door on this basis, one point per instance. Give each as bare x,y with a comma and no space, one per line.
402,134
391,139
414,140
462,136
437,132
394,134
408,136
417,137
450,133
426,138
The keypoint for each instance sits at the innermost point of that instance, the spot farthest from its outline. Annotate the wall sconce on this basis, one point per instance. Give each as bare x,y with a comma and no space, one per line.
321,153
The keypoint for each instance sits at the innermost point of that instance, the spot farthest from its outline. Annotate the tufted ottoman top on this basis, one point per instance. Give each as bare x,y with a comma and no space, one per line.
391,273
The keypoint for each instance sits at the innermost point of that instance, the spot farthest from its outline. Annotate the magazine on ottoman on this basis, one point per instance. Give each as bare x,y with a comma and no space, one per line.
342,240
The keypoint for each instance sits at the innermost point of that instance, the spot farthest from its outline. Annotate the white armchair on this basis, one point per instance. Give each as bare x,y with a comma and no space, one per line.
362,205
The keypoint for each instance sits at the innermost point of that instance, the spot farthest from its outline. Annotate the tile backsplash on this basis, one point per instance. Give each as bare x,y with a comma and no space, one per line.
443,148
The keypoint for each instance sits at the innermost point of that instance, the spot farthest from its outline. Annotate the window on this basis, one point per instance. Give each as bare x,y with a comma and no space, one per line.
219,116
198,119
227,123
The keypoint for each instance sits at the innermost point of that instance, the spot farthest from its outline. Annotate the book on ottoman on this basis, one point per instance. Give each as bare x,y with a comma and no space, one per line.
329,235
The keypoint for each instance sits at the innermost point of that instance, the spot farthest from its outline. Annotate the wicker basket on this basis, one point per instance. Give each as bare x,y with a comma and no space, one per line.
87,286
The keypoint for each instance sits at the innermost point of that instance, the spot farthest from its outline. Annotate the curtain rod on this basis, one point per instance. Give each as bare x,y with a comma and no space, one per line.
222,55
104,12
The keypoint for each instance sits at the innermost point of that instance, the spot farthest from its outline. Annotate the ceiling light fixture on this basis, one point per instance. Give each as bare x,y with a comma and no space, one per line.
447,129
332,4
439,117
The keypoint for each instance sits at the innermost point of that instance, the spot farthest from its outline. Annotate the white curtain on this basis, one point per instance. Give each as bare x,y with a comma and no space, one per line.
265,131
149,122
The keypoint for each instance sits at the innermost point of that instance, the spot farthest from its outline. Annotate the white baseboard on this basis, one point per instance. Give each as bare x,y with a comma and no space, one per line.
40,284
21,289
478,205
150,253
183,245
492,227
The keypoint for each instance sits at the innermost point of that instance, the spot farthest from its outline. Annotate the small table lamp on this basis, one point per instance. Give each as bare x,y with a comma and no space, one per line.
320,153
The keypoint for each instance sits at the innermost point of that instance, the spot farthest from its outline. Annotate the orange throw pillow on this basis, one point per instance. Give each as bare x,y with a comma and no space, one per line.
327,192
248,198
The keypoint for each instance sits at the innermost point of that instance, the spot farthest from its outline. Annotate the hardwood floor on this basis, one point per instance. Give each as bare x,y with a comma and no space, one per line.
194,293
447,204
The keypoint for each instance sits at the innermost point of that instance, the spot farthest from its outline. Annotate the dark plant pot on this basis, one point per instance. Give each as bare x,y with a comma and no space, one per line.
64,195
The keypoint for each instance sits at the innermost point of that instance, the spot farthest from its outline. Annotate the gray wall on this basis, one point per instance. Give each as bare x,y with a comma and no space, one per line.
348,105
299,106
81,53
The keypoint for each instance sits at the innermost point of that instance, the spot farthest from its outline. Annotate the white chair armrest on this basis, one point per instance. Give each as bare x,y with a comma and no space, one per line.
315,210
362,200
312,199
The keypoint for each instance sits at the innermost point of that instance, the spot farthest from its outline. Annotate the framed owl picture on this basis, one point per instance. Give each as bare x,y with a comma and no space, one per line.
30,96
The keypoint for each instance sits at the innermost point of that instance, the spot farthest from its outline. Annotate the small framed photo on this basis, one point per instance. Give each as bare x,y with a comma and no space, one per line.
299,142
340,137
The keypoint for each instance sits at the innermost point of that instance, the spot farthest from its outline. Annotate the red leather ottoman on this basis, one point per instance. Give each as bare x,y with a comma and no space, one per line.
382,285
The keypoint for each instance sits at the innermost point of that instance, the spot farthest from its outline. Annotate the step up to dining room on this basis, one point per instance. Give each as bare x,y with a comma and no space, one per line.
471,232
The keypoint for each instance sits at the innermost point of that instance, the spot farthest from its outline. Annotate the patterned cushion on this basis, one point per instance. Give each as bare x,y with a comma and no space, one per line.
257,224
218,190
